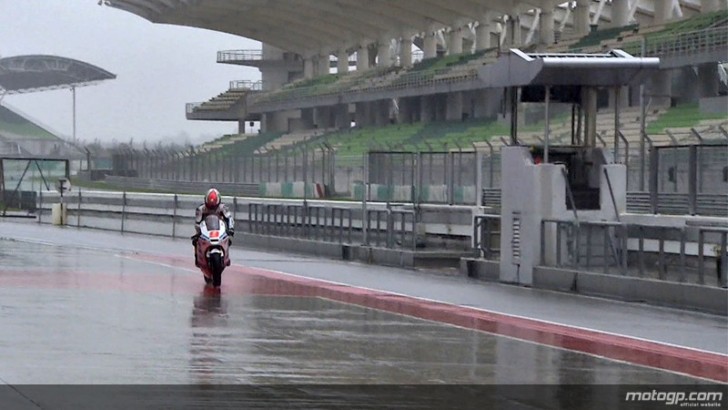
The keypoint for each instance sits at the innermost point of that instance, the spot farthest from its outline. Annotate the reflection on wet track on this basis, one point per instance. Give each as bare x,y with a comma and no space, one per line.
82,316
76,309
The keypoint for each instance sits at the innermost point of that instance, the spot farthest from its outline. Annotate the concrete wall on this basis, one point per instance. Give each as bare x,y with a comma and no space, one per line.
481,269
714,105
663,293
401,258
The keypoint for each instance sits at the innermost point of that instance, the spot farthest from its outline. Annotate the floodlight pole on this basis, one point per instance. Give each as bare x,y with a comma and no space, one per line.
547,98
73,92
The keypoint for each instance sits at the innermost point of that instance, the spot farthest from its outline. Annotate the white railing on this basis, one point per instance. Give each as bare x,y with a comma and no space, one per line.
246,85
191,107
239,55
689,42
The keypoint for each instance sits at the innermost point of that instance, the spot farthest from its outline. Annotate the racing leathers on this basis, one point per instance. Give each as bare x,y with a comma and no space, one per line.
203,212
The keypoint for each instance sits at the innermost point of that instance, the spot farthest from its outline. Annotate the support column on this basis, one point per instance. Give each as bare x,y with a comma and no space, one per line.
455,41
430,50
307,118
663,11
514,26
454,106
713,5
324,65
589,99
342,65
707,6
383,54
373,55
440,103
362,58
404,116
405,52
381,112
581,16
620,12
623,98
708,80
323,117
266,123
427,108
341,116
362,114
546,27
308,68
660,88
482,32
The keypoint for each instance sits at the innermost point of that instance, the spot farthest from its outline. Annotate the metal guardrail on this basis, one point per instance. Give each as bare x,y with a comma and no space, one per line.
575,247
303,221
678,203
486,236
721,251
388,227
638,250
170,214
117,209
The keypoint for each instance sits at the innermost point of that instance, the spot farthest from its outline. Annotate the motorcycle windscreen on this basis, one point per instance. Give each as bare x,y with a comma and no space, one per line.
212,222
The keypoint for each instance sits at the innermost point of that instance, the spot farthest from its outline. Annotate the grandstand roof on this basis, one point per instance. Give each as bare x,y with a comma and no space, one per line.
30,73
316,25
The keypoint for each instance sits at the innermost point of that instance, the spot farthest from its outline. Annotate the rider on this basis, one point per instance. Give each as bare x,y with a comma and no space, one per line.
212,205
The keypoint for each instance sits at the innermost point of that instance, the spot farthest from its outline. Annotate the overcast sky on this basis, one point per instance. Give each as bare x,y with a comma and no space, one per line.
159,68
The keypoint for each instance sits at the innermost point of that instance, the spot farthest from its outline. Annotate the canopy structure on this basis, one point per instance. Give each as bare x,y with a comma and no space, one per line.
615,68
31,73
567,78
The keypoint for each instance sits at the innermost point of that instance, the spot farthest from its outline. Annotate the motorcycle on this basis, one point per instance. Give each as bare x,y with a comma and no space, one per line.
213,249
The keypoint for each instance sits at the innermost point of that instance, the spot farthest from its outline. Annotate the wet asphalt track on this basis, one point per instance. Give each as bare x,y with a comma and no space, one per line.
90,307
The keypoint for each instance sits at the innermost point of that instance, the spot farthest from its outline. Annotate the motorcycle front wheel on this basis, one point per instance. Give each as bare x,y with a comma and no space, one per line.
216,266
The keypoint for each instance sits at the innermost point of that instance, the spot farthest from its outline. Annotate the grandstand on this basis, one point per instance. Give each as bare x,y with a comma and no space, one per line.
36,73
23,137
24,144
438,102
557,125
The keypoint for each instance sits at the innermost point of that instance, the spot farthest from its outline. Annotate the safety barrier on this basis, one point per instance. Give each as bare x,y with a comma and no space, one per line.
388,225
666,253
325,223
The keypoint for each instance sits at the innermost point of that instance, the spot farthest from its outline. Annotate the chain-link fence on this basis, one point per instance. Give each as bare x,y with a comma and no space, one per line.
192,165
434,177
422,177
678,174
